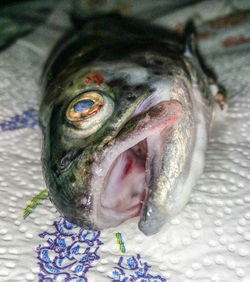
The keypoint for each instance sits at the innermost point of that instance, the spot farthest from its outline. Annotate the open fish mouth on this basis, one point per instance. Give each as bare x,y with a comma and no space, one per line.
130,164
126,181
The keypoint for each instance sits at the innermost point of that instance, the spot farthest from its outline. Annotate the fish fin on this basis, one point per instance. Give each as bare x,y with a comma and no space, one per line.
190,40
192,51
34,202
220,97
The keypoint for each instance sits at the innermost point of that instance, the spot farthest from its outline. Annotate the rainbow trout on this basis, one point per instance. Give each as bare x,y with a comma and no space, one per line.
126,113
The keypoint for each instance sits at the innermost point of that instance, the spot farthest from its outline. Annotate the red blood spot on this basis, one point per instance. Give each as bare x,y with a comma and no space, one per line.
128,166
95,111
139,149
96,78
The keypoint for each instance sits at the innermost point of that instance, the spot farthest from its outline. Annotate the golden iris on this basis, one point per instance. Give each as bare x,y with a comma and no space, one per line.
85,105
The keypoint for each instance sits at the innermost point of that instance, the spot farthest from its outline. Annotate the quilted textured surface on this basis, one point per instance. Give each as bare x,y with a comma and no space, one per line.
208,241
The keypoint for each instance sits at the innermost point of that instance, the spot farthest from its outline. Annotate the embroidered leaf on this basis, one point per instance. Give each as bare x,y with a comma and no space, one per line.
120,242
34,202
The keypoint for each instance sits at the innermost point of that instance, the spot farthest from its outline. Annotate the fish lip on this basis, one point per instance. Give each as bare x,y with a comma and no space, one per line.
101,213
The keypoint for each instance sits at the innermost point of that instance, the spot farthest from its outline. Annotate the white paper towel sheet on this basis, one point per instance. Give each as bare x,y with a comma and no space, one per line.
208,241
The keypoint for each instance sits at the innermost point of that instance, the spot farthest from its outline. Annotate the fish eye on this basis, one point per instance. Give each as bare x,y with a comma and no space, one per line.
84,106
87,113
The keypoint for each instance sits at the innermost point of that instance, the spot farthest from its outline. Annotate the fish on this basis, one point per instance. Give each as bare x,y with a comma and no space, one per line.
126,112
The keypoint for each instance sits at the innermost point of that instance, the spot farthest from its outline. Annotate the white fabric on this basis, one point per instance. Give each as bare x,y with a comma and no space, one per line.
208,241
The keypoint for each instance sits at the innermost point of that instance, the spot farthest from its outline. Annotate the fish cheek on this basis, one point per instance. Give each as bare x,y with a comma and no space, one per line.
72,200
72,179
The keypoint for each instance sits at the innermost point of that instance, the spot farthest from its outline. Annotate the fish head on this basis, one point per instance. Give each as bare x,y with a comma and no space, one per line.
104,139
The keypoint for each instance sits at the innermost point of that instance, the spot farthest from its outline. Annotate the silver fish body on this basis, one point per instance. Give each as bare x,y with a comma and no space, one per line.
126,114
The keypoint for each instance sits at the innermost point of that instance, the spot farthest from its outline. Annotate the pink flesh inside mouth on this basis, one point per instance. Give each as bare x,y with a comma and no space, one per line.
127,179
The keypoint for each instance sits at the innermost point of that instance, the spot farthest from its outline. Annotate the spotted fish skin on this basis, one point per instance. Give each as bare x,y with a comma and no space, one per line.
140,149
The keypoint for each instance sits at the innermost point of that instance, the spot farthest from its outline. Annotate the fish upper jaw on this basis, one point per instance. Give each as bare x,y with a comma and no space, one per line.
122,175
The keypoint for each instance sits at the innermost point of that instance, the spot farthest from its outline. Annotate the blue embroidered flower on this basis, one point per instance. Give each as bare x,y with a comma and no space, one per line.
134,269
26,119
68,252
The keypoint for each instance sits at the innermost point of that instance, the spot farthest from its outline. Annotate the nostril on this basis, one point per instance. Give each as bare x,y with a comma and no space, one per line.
65,161
68,157
84,201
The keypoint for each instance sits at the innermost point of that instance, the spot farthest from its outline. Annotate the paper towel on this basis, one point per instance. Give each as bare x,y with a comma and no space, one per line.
208,241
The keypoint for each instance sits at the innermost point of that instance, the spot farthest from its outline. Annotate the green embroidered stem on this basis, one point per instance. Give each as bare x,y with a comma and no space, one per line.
34,202
120,242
